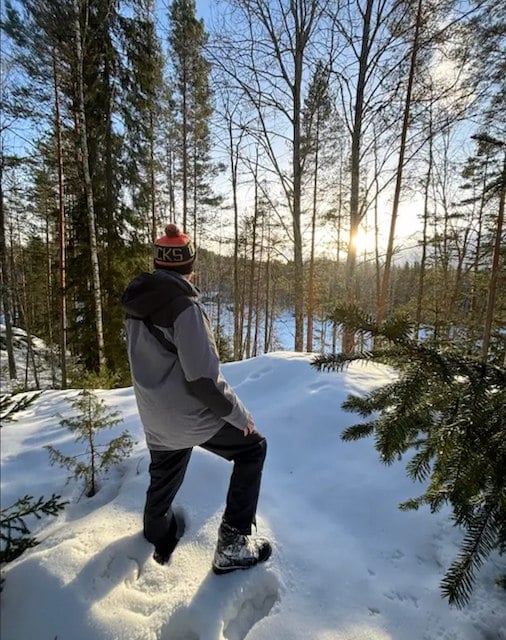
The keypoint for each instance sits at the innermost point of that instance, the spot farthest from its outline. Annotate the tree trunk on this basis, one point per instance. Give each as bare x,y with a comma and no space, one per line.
91,443
171,184
297,186
95,271
494,273
423,259
446,257
152,179
233,171
61,229
243,293
310,284
194,198
267,307
27,317
5,283
355,214
385,284
257,292
377,266
476,325
233,154
49,298
251,281
184,158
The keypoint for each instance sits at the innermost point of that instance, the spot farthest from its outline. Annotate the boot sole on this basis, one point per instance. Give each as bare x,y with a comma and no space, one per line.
220,572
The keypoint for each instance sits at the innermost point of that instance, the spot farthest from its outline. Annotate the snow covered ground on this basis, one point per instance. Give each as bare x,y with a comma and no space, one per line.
31,367
347,564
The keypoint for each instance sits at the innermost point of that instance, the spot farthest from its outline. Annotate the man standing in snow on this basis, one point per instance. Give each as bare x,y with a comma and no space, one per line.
184,401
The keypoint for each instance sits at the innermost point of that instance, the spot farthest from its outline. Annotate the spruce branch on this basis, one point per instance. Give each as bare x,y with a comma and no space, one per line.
419,467
335,362
479,542
358,431
9,405
15,534
450,411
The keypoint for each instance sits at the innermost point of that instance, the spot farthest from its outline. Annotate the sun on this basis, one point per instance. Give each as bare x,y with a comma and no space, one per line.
364,241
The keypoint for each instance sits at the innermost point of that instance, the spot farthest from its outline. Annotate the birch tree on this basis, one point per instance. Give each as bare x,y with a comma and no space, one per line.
385,283
363,75
5,284
268,65
317,109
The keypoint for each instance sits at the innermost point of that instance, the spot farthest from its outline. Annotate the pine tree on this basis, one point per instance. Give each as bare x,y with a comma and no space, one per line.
117,69
142,105
485,190
317,109
449,412
91,417
187,39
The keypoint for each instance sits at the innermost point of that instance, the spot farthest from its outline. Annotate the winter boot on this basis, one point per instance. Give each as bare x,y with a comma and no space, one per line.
238,551
164,548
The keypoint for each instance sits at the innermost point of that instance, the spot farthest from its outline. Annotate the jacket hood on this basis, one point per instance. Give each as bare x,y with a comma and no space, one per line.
149,292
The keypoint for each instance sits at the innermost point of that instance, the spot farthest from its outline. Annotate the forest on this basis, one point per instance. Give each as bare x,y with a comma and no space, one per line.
319,153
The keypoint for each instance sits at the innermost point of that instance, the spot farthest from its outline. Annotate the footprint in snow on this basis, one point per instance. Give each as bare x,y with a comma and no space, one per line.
225,606
317,387
260,373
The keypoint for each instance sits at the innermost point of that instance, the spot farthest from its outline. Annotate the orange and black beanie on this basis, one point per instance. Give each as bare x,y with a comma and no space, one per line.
174,251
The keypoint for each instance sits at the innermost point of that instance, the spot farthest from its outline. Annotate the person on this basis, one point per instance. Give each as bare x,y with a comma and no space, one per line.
184,401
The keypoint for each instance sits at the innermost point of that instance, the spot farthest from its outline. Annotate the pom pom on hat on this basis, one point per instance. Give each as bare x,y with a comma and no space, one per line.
174,250
172,230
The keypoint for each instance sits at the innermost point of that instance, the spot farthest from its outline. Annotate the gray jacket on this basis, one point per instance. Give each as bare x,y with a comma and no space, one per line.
182,397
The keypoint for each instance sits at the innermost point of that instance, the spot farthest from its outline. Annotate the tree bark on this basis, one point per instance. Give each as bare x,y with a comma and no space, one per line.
88,187
251,281
298,56
61,229
152,179
5,282
233,150
423,259
494,273
385,284
184,157
348,342
310,283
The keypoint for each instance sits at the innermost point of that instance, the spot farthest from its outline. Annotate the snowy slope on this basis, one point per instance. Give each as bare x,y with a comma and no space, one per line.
347,564
27,378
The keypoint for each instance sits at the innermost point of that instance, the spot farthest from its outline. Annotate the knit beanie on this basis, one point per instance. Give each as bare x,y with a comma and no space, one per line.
174,251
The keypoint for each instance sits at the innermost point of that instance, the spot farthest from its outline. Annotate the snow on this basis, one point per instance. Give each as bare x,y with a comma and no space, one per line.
26,378
347,564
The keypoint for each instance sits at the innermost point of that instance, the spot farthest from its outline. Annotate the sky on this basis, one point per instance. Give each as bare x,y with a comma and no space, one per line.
20,138
347,563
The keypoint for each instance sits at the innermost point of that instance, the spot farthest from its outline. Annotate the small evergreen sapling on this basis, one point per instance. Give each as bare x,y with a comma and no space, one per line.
92,416
450,410
15,535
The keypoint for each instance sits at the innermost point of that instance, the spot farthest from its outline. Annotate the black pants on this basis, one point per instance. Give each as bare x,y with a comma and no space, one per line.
167,470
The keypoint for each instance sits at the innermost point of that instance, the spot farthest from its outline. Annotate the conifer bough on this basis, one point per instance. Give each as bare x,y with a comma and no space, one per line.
450,410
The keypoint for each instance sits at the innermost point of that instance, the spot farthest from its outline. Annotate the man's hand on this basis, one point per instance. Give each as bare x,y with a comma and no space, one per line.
250,428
